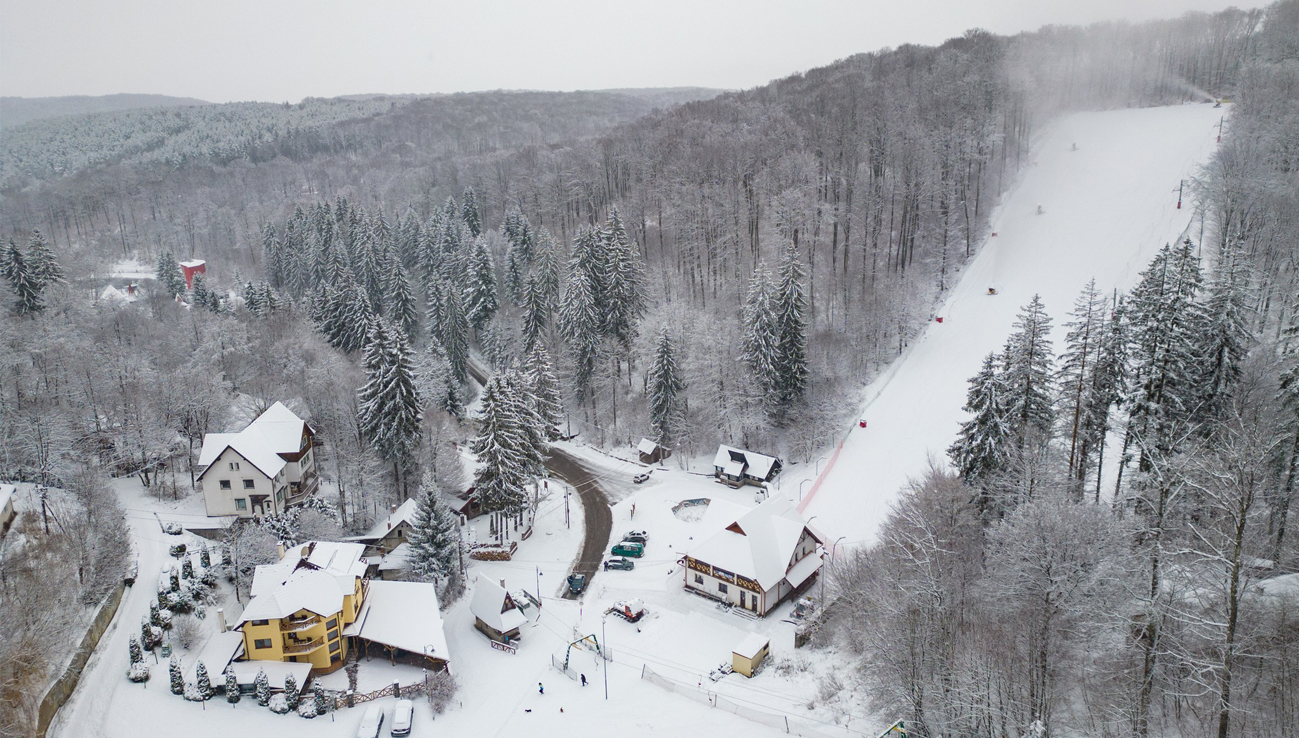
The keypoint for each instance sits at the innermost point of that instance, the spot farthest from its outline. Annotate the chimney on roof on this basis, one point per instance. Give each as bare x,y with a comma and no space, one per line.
221,620
502,584
279,548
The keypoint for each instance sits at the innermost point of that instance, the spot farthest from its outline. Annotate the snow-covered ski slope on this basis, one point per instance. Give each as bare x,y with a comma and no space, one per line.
1107,207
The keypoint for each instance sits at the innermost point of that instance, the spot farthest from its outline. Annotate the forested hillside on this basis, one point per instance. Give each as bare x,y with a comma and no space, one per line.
15,111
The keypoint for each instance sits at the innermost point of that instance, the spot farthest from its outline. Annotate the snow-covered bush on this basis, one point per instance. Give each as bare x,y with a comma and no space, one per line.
138,672
307,709
177,678
193,693
187,631
178,550
187,569
442,688
291,691
279,704
172,529
202,681
165,617
205,557
180,601
137,654
262,686
320,699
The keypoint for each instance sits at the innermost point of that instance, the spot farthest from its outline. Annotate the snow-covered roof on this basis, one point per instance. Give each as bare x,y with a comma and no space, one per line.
646,446
193,263
246,672
274,432
759,544
6,494
1285,585
314,591
112,294
488,605
341,560
396,559
751,645
402,615
729,458
405,513
220,649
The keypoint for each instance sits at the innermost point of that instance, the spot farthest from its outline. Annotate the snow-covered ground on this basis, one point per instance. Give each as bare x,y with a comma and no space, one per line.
1107,207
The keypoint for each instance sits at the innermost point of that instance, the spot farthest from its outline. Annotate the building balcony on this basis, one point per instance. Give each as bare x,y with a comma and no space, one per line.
294,625
306,488
297,648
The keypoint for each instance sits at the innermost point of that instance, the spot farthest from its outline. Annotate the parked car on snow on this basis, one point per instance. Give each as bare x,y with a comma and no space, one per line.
632,538
620,563
640,533
640,478
576,583
371,722
402,715
635,550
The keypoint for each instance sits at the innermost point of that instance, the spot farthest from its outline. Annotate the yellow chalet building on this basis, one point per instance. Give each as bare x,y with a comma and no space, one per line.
301,605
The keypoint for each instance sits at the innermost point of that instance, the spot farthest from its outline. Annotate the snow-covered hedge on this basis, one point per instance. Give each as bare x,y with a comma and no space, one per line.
279,704
193,693
307,709
138,672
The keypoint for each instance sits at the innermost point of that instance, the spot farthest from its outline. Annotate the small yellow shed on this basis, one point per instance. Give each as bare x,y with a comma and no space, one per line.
748,656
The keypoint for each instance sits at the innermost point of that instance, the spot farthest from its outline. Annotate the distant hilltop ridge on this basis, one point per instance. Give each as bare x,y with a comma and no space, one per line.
15,111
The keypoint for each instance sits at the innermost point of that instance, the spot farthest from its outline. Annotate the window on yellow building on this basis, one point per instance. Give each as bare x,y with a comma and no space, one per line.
333,623
261,622
334,646
333,635
334,658
262,643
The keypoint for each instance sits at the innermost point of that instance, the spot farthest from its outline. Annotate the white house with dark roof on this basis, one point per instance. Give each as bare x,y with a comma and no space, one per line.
494,611
735,466
391,532
757,558
262,469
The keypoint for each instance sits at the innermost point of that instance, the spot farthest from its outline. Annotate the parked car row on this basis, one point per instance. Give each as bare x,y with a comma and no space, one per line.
372,721
632,544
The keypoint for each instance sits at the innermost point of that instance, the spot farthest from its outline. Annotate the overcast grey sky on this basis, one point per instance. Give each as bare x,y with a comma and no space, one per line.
222,50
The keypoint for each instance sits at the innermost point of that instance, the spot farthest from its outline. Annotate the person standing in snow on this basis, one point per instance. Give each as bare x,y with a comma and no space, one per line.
540,689
583,679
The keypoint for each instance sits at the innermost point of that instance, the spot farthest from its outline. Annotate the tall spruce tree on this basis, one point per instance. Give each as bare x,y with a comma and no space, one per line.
436,380
790,306
469,213
434,537
624,298
543,387
402,306
45,269
503,450
26,287
1164,321
759,345
1029,369
389,407
535,313
1076,379
983,447
1109,387
167,272
232,686
548,271
480,293
453,333
664,389
1287,402
1225,337
579,324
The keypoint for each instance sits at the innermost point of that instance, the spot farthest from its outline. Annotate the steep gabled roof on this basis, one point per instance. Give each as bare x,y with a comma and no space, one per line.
276,431
488,605
314,591
758,544
733,460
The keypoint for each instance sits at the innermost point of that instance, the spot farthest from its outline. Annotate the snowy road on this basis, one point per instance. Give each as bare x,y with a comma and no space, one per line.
1106,208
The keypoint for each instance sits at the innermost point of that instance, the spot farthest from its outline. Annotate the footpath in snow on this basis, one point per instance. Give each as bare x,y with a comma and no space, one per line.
1107,207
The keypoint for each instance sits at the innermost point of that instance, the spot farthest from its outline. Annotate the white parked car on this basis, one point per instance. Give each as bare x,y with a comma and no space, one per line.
371,723
401,717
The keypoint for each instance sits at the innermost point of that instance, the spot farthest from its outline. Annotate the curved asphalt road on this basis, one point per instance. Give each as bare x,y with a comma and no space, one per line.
598,517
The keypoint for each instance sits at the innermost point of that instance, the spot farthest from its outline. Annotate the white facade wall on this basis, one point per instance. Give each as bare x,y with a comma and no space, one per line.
709,586
231,467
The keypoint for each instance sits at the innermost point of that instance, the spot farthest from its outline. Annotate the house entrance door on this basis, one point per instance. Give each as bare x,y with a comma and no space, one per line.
257,503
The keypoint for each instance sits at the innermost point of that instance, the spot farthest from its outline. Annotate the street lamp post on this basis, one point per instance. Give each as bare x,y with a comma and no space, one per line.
800,487
833,548
604,653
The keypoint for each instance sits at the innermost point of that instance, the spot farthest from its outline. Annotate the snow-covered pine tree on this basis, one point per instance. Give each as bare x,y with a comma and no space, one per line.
199,291
543,387
664,388
253,299
389,407
453,332
624,298
761,330
480,292
347,318
1226,336
291,691
167,272
1029,369
434,537
983,447
232,686
429,251
525,407
402,306
137,654
1164,320
202,680
177,676
469,212
278,266
536,313
579,322
790,306
1109,385
548,271
518,257
1287,401
45,269
322,700
1086,329
502,446
25,287
262,687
